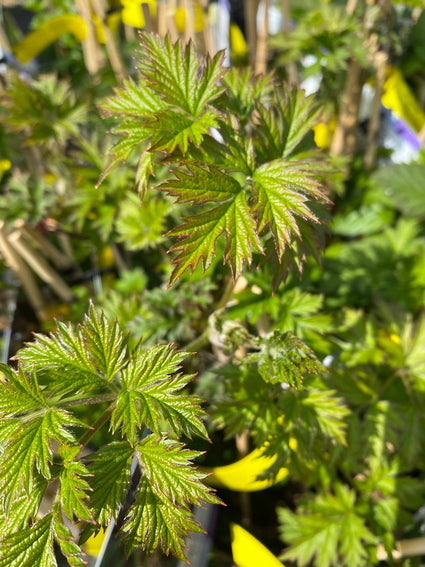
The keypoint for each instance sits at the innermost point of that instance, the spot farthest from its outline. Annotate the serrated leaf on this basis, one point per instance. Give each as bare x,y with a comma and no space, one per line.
170,472
105,342
285,358
150,394
64,358
73,488
282,190
66,540
328,412
156,521
24,509
20,393
110,468
329,529
132,100
31,547
30,446
182,79
172,130
199,235
201,185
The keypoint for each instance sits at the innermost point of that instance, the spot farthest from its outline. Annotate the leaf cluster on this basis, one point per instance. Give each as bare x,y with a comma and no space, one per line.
237,151
42,437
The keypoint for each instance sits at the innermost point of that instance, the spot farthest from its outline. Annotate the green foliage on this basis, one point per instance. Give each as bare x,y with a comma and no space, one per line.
40,401
242,186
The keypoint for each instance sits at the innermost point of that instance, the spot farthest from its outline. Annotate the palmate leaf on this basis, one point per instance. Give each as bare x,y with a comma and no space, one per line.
151,393
31,547
328,530
154,521
199,235
182,79
169,470
169,484
282,190
110,468
29,447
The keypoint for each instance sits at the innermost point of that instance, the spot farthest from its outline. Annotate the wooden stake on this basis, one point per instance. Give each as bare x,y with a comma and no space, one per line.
110,44
291,68
93,56
33,236
15,263
381,60
251,9
40,266
262,36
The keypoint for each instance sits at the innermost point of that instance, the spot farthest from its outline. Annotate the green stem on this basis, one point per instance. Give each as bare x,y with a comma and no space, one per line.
100,422
202,340
78,401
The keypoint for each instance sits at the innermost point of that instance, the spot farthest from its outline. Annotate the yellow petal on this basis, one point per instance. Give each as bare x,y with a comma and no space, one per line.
398,97
242,476
237,41
94,544
249,552
35,42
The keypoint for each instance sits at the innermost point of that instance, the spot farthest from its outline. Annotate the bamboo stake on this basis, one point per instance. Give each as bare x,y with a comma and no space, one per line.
92,53
15,263
56,256
149,20
261,47
251,9
189,28
291,68
110,44
381,60
40,266
404,548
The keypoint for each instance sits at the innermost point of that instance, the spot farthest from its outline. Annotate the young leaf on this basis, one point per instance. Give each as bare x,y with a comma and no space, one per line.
30,445
178,75
329,530
110,468
155,520
31,547
105,342
74,489
63,360
150,394
170,472
199,235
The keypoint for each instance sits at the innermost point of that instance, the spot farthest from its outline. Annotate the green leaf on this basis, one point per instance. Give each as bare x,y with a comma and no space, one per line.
154,521
110,467
132,100
74,489
328,411
151,394
199,235
20,393
24,509
172,130
105,343
282,190
285,358
68,547
64,360
31,547
170,472
328,530
404,185
181,78
30,445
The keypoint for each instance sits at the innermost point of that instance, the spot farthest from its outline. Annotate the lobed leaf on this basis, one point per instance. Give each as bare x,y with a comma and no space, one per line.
170,472
154,521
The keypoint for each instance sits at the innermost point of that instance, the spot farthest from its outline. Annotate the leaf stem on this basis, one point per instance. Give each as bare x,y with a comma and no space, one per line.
100,422
100,398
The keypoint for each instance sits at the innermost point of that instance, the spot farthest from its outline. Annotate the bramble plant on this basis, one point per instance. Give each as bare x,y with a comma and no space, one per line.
236,150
